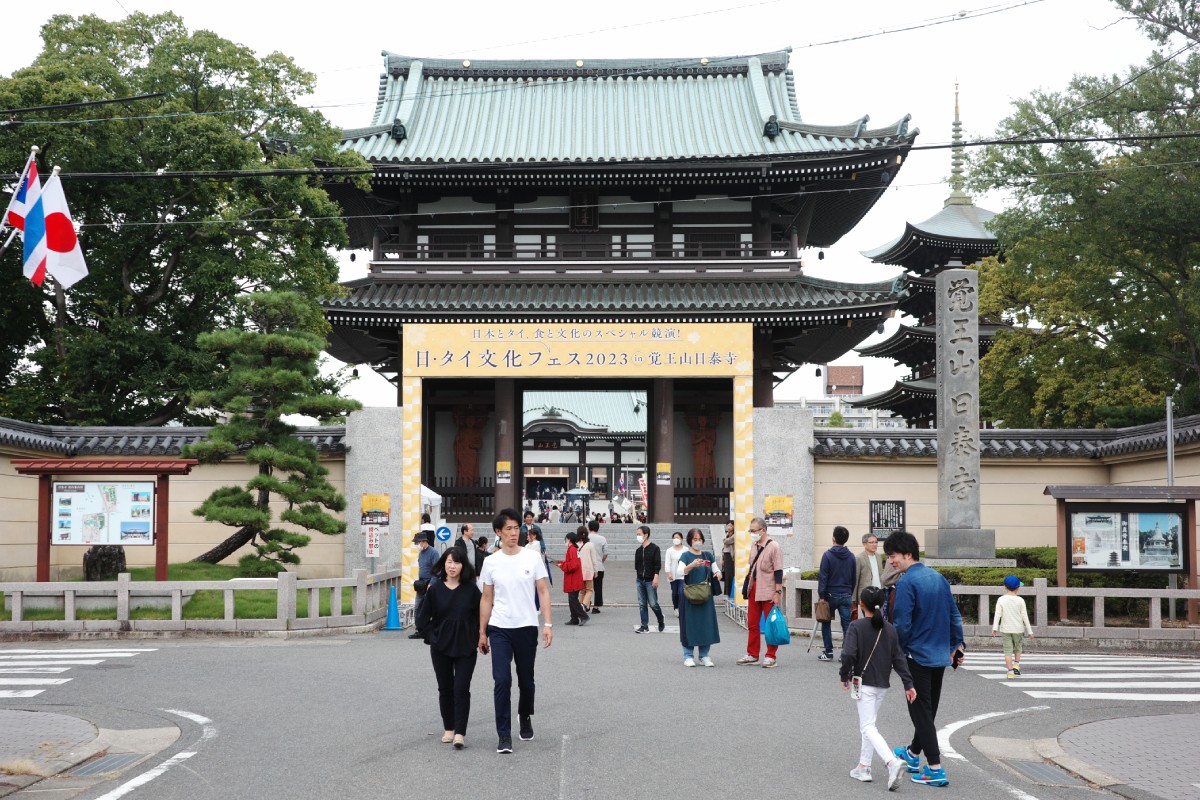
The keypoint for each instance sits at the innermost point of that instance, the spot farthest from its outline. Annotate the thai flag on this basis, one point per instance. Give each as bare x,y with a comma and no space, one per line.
28,190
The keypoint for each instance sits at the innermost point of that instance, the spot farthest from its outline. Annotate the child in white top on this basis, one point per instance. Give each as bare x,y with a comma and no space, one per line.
1012,620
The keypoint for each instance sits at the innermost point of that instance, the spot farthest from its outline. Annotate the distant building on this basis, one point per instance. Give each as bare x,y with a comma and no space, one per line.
843,388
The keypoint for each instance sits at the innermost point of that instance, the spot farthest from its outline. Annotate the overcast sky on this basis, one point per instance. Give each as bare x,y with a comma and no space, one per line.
885,59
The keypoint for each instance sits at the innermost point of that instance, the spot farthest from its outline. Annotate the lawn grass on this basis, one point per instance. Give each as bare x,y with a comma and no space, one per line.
204,604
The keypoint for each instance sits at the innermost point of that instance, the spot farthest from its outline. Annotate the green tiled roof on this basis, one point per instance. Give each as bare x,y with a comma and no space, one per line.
437,111
617,299
959,227
592,413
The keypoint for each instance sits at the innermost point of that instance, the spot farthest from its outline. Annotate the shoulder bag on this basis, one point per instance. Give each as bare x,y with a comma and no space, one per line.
698,593
856,680
749,575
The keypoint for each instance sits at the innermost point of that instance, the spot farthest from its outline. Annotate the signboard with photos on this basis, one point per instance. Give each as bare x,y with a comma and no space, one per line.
102,512
1136,537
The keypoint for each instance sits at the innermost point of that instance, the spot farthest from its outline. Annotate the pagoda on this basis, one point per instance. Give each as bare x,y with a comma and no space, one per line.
577,196
955,236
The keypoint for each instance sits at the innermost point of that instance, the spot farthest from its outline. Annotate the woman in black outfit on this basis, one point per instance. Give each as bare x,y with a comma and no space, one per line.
450,620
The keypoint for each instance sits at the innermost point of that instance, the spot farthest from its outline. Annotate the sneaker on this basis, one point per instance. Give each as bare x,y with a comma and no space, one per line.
1017,669
584,620
595,611
574,622
505,745
526,728
861,773
1011,674
824,656
708,662
641,629
912,762
932,777
747,660
689,662
662,626
896,768
769,662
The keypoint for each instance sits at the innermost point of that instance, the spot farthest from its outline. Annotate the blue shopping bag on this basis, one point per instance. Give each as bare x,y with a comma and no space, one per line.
774,628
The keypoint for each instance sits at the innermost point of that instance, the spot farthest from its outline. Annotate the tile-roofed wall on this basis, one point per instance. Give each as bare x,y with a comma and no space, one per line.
1064,443
134,441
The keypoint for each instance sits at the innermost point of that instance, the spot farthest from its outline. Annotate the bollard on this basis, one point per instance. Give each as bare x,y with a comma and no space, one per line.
393,615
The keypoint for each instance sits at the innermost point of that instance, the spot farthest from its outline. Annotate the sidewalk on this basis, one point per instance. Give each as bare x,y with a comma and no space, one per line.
40,744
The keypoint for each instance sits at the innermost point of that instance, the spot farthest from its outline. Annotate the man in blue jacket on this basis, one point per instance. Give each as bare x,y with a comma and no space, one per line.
931,635
835,584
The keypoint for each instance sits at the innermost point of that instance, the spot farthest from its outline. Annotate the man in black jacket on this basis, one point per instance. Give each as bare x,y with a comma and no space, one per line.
835,583
647,563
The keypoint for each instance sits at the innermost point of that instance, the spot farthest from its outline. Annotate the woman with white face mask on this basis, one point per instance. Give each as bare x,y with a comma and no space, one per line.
673,574
698,613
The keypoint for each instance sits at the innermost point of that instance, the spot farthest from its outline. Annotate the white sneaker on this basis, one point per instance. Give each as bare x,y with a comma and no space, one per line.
896,768
689,662
769,663
708,662
861,773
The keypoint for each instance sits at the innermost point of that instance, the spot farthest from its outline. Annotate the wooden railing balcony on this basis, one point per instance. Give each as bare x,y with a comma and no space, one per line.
477,255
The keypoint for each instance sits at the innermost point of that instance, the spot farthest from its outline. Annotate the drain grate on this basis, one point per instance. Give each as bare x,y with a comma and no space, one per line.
1041,772
111,763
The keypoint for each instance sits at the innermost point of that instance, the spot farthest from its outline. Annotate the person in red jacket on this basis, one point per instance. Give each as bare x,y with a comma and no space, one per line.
572,569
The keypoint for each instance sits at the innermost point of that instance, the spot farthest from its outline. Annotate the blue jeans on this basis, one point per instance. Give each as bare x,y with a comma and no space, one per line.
647,595
688,652
841,604
509,645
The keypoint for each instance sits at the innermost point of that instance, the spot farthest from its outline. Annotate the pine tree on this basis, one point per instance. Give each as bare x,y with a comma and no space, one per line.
270,371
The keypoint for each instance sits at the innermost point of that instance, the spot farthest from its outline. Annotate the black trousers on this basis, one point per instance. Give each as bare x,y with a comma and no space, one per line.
454,688
598,586
577,611
509,645
923,712
727,572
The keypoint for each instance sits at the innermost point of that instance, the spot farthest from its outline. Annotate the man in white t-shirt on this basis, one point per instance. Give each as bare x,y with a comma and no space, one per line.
508,623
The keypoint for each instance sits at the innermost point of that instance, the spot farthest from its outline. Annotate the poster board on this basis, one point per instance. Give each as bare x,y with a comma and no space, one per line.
1113,538
886,517
103,512
376,521
778,512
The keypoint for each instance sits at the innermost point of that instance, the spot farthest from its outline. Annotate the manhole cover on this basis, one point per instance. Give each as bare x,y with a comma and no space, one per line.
110,763
1041,772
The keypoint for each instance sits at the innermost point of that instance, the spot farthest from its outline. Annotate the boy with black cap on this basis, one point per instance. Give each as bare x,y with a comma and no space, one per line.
1012,620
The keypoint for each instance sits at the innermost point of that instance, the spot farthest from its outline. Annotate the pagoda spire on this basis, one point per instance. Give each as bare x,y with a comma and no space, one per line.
957,196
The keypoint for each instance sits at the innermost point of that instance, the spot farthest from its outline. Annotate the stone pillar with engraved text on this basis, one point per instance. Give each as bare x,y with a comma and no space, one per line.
958,535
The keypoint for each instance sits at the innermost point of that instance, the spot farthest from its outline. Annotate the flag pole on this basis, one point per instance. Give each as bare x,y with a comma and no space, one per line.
33,151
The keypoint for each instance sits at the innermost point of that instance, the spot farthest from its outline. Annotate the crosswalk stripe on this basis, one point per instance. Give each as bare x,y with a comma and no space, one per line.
34,681
32,670
1164,697
18,694
1181,665
56,663
85,650
1109,684
1091,676
65,654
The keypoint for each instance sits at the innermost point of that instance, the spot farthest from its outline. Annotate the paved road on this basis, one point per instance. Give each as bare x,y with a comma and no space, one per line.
618,717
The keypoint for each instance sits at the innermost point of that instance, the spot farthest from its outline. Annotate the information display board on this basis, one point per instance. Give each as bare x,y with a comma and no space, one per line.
103,512
1144,538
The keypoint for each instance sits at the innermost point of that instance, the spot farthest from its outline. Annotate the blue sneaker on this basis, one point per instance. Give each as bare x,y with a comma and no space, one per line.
912,762
932,777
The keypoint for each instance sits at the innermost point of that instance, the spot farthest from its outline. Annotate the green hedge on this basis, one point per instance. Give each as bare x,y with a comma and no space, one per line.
1042,562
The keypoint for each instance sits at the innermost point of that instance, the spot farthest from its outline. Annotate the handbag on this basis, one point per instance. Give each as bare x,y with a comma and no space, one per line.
821,611
421,585
750,574
699,593
774,628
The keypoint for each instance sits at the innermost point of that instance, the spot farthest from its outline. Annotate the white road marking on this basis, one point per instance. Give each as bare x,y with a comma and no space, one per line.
96,650
944,734
34,681
562,770
145,777
1087,676
1176,698
65,654
33,670
55,663
17,694
1091,684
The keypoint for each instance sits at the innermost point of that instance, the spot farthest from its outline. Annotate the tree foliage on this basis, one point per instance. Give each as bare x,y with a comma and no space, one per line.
168,253
271,372
1102,243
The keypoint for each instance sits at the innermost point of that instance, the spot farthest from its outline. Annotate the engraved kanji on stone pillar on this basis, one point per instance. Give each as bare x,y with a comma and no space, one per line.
958,534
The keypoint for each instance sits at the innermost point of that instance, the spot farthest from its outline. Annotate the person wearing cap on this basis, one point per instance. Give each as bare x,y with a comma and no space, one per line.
1012,621
426,559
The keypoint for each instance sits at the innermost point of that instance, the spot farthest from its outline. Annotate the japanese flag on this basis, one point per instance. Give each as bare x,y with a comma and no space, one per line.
64,257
